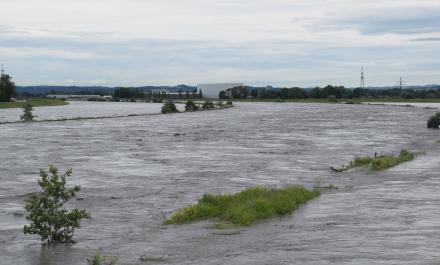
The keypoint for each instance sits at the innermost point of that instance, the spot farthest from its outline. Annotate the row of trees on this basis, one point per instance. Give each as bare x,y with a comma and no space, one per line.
170,107
154,95
325,92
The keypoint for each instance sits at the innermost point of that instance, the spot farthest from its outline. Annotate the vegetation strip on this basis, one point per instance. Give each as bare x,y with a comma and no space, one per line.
381,162
105,117
34,102
339,100
247,206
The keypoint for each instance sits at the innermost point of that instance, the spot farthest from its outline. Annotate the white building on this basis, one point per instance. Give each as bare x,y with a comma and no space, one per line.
212,90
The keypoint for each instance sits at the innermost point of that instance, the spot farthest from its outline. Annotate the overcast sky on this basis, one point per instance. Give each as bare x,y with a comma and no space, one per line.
258,42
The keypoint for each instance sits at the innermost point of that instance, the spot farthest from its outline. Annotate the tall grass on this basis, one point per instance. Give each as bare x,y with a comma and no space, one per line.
247,206
100,259
384,161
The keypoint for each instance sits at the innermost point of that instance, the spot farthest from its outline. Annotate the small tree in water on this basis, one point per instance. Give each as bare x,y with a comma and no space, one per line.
169,107
208,105
27,112
434,121
191,106
49,219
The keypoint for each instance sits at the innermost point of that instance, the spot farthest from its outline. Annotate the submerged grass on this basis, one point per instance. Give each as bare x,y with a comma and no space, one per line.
100,259
382,162
247,206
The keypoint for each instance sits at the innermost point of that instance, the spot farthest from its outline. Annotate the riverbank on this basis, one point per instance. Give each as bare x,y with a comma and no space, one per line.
346,100
35,102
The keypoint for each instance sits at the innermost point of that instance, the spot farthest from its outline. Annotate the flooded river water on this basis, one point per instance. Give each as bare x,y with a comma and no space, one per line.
134,168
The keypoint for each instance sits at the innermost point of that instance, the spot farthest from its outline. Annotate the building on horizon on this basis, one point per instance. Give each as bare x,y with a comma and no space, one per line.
212,90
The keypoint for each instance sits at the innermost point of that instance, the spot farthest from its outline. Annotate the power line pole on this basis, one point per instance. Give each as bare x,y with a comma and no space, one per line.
401,83
362,78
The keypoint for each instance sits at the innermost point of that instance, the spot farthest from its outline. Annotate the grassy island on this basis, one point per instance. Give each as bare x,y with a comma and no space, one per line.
382,162
245,207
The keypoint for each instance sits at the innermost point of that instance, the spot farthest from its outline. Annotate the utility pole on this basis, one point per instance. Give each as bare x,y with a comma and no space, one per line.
362,78
401,83
2,73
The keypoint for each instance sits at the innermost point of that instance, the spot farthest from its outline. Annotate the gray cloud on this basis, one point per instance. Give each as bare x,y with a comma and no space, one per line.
384,20
170,42
426,39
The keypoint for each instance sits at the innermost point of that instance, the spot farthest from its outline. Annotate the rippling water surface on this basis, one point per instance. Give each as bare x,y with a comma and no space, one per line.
131,169
85,109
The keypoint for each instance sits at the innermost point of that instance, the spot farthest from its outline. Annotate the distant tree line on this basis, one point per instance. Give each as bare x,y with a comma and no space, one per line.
338,92
154,95
80,92
7,88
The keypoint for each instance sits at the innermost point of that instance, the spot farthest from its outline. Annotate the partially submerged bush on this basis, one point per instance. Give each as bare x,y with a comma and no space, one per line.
191,106
169,107
49,219
229,102
382,162
434,121
247,206
27,112
208,105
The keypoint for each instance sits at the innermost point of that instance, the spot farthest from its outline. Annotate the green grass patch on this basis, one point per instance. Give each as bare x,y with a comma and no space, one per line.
34,102
382,162
247,206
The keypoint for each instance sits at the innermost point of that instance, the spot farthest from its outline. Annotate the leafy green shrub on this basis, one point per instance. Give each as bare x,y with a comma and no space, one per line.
229,102
27,112
434,121
191,106
208,105
49,219
169,107
247,206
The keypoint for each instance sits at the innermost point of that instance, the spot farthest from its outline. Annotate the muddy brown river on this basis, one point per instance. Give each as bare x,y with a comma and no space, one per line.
133,169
